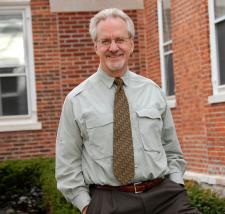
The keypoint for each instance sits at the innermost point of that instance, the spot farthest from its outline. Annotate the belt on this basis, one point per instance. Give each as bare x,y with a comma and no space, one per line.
138,187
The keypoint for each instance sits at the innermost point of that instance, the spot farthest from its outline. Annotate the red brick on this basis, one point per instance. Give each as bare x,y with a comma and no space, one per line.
200,126
64,56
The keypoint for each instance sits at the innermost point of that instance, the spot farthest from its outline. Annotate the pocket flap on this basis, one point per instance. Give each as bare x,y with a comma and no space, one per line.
149,112
101,120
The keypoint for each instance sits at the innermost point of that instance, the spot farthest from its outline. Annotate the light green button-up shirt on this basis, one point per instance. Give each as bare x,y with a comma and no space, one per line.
84,146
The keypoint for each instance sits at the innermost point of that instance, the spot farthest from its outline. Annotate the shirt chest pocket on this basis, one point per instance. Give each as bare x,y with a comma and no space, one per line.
150,128
100,136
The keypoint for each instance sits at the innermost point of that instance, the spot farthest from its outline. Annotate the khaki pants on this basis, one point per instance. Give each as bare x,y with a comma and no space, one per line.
166,198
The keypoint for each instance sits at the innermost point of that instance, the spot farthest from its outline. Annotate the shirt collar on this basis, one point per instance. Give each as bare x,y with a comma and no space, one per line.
108,80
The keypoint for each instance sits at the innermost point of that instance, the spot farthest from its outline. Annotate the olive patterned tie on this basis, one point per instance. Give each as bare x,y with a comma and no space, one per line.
123,154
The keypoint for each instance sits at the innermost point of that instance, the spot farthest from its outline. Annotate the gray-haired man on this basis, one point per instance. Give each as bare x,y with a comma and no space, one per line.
117,149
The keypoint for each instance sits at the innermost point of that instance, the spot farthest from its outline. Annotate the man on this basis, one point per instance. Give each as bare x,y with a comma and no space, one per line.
117,149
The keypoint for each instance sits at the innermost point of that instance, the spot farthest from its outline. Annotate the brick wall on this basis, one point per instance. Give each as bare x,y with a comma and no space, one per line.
200,126
152,41
64,56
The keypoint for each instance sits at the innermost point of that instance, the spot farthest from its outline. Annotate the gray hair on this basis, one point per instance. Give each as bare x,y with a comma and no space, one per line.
107,13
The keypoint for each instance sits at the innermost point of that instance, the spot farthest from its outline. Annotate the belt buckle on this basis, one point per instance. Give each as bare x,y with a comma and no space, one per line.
135,187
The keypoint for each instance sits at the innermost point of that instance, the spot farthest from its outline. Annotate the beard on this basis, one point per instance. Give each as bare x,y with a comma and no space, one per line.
116,66
115,61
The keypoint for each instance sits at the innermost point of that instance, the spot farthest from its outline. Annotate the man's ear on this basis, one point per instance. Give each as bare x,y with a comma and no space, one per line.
132,47
95,47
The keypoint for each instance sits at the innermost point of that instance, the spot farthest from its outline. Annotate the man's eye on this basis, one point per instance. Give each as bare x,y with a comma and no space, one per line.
105,42
119,40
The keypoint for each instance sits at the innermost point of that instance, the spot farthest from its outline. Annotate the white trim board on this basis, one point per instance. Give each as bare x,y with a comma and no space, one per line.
14,2
93,5
205,178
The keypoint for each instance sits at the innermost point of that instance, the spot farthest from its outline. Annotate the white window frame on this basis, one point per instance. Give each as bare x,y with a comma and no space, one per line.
218,90
23,122
170,99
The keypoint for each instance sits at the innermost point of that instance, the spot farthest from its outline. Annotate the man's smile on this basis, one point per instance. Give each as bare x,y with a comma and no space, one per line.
114,56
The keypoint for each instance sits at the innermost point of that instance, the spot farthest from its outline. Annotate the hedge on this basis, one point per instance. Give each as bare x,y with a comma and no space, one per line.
14,175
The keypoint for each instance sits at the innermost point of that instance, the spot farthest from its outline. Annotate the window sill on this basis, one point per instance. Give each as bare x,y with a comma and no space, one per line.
217,98
20,126
171,100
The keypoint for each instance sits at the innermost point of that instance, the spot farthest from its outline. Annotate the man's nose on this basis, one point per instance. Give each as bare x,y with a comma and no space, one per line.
113,46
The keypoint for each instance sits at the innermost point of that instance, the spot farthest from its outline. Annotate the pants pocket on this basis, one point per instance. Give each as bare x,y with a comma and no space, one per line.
92,204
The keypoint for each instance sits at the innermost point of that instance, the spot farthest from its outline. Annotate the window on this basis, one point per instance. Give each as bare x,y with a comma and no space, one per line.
217,35
13,84
166,52
17,85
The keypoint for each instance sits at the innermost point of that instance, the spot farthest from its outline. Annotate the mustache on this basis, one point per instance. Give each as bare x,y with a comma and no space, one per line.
114,53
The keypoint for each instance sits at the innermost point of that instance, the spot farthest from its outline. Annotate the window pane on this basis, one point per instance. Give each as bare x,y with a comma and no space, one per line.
13,95
166,21
9,84
219,8
169,75
220,27
11,106
12,70
11,40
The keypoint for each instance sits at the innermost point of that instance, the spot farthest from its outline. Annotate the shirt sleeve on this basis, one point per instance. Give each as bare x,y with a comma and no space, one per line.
69,175
176,162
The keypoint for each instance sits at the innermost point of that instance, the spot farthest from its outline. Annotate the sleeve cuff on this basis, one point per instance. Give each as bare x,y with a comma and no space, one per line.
82,200
177,177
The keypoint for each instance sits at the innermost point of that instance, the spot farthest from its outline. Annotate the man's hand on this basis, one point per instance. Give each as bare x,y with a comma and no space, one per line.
84,211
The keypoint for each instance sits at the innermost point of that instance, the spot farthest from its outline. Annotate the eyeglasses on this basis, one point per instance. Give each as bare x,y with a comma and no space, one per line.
107,42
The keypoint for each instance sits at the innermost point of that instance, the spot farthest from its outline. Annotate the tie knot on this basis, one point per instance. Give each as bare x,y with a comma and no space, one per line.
118,81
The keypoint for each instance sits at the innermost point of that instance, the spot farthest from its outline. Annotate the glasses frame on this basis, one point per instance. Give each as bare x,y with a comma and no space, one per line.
119,41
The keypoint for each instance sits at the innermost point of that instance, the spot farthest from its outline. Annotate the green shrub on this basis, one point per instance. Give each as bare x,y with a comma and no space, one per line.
54,200
19,176
20,187
16,176
205,200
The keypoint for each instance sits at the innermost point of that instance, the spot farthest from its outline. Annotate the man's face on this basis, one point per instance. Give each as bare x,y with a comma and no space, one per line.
113,46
